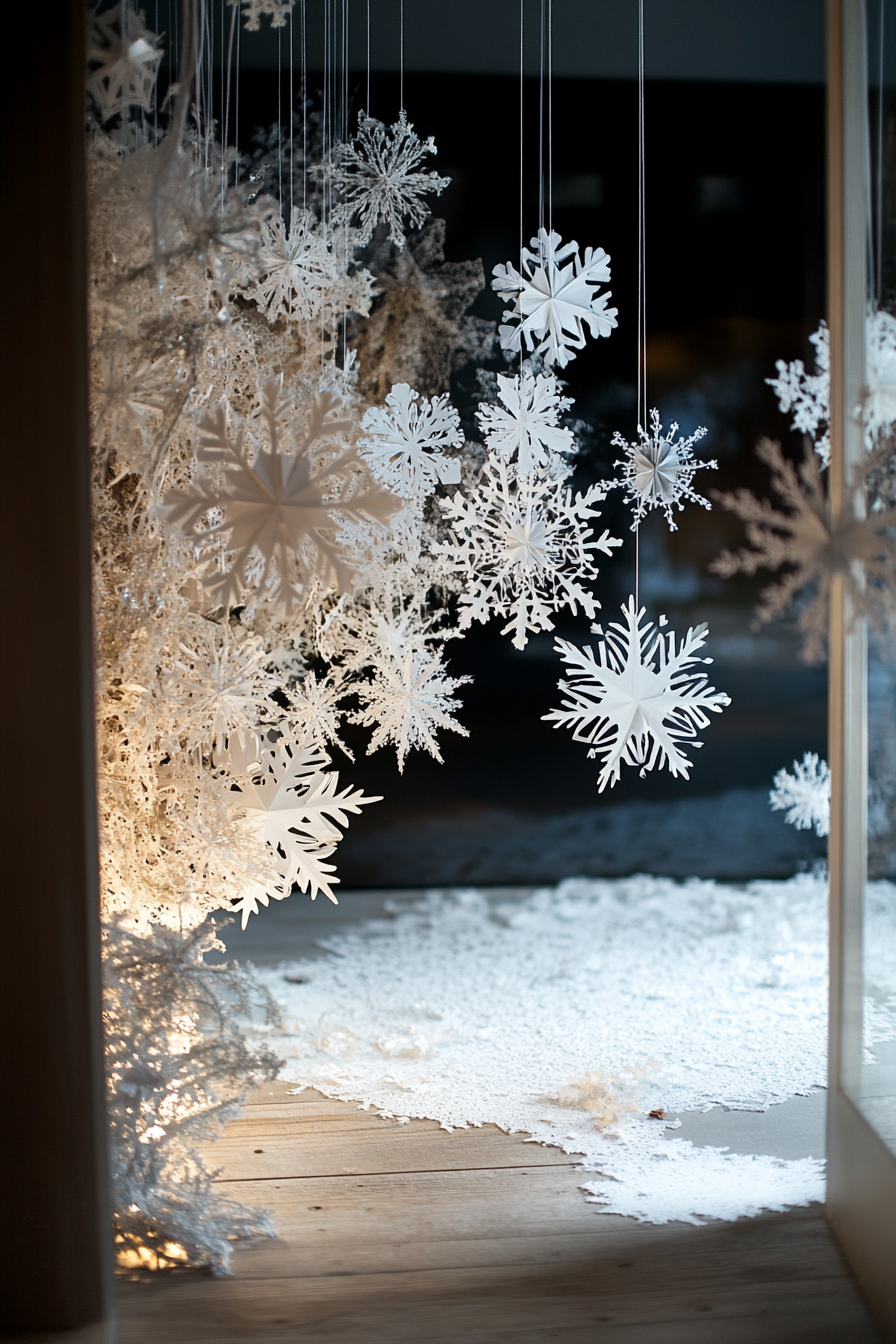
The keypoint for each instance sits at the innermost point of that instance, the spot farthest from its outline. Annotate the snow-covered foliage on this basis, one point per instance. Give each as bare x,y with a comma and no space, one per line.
525,425
553,303
404,442
805,796
640,699
658,471
376,176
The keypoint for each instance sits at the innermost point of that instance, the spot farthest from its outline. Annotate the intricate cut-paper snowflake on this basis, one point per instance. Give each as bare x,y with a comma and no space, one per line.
525,423
404,441
879,402
376,177
520,544
127,58
805,796
807,395
815,546
408,697
658,471
553,303
639,699
292,805
298,268
217,685
289,503
279,10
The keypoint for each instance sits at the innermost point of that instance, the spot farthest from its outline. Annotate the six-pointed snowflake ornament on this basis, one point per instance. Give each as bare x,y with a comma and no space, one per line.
553,303
807,395
524,426
658,471
217,685
284,508
292,805
127,58
279,10
521,546
404,442
376,176
640,699
805,796
298,268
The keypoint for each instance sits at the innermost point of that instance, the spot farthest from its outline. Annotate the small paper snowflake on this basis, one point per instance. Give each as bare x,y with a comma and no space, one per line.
520,545
525,424
217,685
807,395
298,268
292,805
805,795
127,57
403,441
288,504
658,471
639,699
375,177
279,10
553,303
879,404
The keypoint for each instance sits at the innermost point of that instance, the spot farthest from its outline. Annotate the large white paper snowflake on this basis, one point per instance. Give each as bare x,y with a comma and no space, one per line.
639,699
288,504
279,10
404,441
807,395
376,177
658,471
805,795
127,58
298,268
520,544
553,303
525,423
292,804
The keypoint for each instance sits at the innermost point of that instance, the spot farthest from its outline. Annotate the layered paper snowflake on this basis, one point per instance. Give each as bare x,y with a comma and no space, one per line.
217,685
404,442
253,10
640,699
284,508
298,268
807,395
554,303
520,545
292,805
127,58
376,177
805,796
658,471
524,426
815,546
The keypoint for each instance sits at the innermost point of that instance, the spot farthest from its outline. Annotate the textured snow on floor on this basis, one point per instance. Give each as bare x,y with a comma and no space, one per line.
468,1010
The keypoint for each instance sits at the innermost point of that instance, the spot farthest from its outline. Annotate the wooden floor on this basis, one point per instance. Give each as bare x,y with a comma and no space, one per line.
391,1232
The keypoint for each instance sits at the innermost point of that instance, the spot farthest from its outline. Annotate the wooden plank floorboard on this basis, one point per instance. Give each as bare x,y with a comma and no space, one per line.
476,1236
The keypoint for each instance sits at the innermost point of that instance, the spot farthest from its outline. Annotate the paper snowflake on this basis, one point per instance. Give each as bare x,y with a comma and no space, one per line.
216,685
376,177
639,699
658,472
404,440
127,58
525,424
879,403
553,303
292,805
298,268
288,503
805,795
520,544
279,10
807,395
408,696
815,546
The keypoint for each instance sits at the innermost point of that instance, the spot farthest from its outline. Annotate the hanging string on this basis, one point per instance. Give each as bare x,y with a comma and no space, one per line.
304,117
541,118
368,58
641,391
522,32
401,54
233,18
280,119
878,268
550,116
292,112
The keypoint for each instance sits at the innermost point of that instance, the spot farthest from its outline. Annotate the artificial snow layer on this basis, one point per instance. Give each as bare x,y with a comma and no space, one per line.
629,995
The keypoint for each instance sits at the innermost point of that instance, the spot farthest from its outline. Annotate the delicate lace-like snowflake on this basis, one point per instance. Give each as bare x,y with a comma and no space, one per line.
805,795
298,268
279,10
376,177
289,504
639,699
127,57
520,545
525,424
815,546
807,395
553,303
218,685
403,441
659,471
292,805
